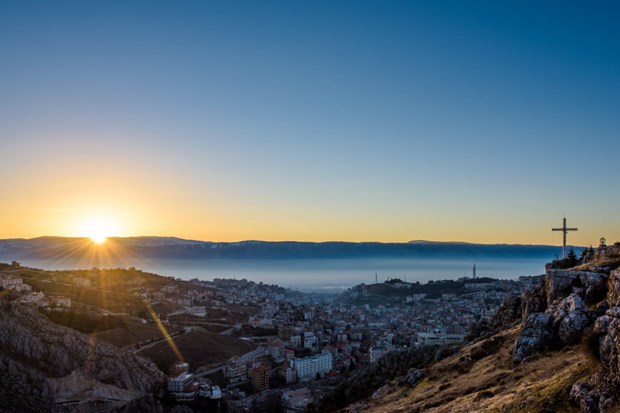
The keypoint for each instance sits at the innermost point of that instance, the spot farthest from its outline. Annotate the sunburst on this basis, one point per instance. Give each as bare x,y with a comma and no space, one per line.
98,229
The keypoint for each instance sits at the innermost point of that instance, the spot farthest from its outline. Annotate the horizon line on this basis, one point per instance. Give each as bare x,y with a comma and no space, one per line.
419,241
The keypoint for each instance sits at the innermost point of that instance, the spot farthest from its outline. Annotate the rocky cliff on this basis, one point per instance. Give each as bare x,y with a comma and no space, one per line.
573,306
45,367
556,348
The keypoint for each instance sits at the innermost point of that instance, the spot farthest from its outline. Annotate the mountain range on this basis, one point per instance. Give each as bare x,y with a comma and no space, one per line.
171,248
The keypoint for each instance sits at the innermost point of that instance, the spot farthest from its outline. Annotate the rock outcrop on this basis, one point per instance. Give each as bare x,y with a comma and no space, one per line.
41,364
573,305
613,295
412,377
587,400
535,336
608,327
556,313
565,353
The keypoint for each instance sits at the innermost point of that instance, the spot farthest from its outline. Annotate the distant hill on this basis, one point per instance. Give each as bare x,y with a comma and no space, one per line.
172,248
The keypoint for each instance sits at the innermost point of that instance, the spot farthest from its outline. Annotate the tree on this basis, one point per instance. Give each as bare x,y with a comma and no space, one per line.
571,258
318,375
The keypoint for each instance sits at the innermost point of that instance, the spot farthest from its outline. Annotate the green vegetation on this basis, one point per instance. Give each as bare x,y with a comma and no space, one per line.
571,258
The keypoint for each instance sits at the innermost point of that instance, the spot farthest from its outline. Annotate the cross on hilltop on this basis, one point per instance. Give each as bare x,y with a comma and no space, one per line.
564,230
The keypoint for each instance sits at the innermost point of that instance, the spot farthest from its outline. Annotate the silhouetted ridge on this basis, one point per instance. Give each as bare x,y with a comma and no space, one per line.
170,247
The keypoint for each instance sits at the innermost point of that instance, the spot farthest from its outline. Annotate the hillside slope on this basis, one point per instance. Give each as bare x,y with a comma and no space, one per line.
482,378
554,349
46,367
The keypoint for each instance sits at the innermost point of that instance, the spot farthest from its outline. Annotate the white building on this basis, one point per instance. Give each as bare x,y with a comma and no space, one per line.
182,384
276,349
307,367
13,283
235,372
289,374
309,340
295,340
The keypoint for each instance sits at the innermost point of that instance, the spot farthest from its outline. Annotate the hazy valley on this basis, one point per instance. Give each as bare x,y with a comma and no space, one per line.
98,339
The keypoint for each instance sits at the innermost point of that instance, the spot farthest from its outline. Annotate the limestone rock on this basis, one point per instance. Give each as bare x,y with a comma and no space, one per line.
412,377
37,357
601,324
381,391
557,284
592,286
572,327
533,301
595,285
571,319
586,397
508,312
609,350
613,297
562,323
535,336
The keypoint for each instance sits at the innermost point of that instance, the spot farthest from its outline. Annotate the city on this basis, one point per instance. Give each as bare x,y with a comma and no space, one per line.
293,347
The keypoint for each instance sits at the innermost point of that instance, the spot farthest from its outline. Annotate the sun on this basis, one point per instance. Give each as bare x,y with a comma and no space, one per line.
99,229
98,238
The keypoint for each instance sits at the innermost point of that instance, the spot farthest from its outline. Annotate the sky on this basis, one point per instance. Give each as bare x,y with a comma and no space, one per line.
309,120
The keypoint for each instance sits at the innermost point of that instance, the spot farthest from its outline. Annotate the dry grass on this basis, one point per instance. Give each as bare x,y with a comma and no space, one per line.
464,384
130,335
199,348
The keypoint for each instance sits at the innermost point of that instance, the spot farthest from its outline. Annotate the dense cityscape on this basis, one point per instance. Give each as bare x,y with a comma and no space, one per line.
300,345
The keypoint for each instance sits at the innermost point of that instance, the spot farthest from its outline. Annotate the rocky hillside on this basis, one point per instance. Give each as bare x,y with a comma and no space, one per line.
45,367
556,348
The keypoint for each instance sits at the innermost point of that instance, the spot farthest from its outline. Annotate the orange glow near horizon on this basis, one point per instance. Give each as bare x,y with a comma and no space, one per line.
114,205
121,199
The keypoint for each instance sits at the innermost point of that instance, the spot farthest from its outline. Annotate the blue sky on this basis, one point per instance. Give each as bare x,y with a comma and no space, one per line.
474,121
